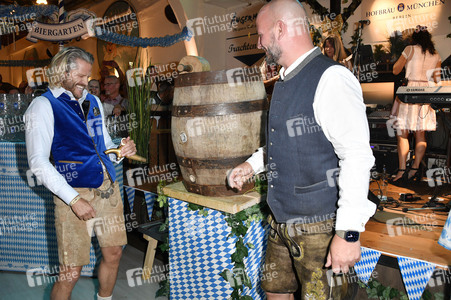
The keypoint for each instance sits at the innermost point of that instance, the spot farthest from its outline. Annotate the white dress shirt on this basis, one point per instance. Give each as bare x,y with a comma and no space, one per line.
39,136
339,110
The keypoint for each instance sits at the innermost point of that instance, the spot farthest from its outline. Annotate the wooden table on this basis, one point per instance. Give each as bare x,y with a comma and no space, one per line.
409,240
200,247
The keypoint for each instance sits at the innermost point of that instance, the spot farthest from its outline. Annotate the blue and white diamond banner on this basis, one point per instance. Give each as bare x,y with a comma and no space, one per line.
200,250
416,275
130,191
150,199
368,261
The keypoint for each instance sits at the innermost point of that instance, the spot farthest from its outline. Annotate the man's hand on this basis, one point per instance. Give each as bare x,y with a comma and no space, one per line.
342,255
128,147
239,175
83,210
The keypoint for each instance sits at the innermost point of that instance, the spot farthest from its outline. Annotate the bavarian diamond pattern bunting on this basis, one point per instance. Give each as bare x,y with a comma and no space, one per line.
200,251
368,261
130,191
416,275
150,199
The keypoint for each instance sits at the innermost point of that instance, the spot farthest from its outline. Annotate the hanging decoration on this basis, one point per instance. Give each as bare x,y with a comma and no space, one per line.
24,63
15,12
368,261
132,41
416,275
60,32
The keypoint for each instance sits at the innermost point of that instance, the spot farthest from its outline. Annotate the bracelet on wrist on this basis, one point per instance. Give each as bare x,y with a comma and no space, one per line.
75,200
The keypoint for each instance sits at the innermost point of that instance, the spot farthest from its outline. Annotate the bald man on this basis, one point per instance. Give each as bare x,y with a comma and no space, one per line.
317,130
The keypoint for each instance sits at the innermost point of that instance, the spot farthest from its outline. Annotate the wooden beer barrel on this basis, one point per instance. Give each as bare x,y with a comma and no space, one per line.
218,121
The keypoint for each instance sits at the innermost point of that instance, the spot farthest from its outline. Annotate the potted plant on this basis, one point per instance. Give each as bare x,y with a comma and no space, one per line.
140,107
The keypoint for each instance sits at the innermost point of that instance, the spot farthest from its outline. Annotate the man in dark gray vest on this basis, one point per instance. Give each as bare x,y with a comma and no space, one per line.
317,130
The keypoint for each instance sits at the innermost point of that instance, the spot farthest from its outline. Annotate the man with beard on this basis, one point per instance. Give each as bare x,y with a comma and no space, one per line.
317,129
68,123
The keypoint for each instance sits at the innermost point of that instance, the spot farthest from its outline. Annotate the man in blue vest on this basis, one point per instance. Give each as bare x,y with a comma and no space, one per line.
317,129
67,123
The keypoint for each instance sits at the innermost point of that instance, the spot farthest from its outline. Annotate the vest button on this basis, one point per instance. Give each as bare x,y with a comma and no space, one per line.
270,158
98,163
270,143
272,186
272,129
101,172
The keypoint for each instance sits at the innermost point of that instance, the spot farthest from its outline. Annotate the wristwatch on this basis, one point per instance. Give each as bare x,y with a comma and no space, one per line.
348,236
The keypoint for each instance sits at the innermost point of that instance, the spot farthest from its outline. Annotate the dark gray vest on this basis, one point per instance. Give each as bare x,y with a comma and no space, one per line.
300,158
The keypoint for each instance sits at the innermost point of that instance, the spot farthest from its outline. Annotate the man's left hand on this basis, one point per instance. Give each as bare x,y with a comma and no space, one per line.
342,255
128,147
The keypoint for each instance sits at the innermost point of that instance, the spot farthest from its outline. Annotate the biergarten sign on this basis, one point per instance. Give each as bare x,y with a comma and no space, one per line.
60,32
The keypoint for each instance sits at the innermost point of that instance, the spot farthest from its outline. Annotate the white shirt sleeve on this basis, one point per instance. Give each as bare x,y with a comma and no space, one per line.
257,161
39,133
106,136
339,109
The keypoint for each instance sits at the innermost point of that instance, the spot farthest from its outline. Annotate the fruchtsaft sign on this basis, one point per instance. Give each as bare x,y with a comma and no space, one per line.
60,32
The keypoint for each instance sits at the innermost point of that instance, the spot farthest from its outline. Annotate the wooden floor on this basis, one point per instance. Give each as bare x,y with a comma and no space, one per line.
14,285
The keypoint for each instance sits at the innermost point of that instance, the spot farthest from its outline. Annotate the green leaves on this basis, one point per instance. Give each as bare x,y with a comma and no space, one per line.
200,209
375,290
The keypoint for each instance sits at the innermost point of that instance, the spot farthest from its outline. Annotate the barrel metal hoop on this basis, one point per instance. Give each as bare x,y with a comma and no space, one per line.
219,163
215,190
246,75
219,109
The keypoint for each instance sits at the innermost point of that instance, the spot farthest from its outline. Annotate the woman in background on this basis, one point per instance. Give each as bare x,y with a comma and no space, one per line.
333,48
422,67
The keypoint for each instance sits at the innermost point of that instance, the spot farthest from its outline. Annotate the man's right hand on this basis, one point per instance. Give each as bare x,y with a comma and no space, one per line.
83,210
239,175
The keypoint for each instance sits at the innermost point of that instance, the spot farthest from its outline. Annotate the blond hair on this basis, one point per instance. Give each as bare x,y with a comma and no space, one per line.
65,61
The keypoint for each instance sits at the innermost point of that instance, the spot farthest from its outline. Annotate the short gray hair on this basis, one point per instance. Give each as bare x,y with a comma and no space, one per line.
65,61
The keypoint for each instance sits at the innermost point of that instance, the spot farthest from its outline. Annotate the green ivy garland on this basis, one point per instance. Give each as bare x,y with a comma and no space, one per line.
376,290
239,223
